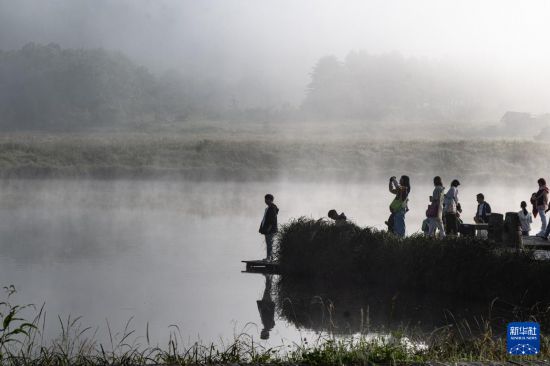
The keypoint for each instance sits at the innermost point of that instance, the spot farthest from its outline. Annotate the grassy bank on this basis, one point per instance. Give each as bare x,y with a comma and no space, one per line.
155,156
21,343
464,267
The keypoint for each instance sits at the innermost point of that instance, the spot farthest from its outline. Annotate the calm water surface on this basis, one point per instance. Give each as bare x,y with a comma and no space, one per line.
168,253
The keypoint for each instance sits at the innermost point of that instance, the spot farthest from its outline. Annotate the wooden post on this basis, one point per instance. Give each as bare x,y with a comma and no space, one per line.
512,230
496,227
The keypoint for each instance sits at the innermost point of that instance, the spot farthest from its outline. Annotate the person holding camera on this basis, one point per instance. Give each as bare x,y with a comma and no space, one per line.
398,207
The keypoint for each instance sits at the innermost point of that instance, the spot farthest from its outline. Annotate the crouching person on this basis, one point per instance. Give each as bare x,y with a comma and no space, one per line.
339,219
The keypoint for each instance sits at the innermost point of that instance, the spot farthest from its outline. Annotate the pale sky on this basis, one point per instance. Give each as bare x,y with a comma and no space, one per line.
280,40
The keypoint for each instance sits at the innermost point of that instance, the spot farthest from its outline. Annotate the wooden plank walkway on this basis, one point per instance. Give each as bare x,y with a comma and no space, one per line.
529,242
260,266
534,242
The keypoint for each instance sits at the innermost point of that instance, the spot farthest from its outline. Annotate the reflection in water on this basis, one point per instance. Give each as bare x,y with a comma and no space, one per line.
266,307
349,308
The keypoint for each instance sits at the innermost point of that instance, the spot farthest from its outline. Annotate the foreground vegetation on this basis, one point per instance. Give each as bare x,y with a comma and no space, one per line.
21,343
188,156
465,267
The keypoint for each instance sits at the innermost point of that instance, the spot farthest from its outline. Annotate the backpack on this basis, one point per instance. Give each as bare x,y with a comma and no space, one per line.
433,209
534,198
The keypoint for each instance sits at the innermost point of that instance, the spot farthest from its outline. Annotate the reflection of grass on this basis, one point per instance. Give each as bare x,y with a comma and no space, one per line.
77,345
135,155
464,267
347,307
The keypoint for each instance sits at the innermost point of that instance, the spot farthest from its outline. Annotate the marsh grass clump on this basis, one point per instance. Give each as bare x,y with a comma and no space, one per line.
467,267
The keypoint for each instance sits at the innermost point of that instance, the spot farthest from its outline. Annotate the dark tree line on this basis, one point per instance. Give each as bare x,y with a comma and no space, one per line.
45,87
50,88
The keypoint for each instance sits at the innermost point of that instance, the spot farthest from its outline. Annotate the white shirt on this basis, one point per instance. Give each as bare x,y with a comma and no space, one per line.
525,220
451,199
480,209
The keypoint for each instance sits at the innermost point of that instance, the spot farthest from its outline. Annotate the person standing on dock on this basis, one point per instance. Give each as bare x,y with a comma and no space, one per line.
268,227
525,219
436,199
540,201
450,204
483,210
399,207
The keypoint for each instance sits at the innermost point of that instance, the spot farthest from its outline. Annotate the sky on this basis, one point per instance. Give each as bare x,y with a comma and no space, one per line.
279,41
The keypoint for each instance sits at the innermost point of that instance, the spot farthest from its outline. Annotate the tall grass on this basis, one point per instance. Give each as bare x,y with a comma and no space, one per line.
217,157
76,345
465,267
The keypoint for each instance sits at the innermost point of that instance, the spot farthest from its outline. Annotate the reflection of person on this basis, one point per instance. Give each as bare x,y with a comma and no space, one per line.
266,307
268,227
339,219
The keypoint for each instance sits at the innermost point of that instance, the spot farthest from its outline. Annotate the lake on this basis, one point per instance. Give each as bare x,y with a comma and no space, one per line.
168,253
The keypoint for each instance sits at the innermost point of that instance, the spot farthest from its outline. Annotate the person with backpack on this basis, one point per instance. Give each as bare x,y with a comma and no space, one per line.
268,227
525,219
399,207
450,207
435,210
540,205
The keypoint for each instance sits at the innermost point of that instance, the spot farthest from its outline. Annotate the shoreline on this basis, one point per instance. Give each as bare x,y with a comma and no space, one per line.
181,157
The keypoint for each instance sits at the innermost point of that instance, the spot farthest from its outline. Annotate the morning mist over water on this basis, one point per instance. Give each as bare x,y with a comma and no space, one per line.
138,140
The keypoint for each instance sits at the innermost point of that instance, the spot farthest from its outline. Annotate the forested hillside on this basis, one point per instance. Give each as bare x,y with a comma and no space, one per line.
391,86
48,88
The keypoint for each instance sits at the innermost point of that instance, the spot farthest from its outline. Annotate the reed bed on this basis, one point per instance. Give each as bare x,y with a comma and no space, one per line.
193,156
465,267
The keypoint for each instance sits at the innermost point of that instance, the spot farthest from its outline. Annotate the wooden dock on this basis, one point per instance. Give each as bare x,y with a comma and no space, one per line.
534,242
260,266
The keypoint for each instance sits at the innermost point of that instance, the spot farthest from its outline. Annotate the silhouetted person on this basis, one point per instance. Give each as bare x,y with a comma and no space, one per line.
268,227
399,205
450,208
525,219
483,210
436,209
266,307
540,205
339,219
